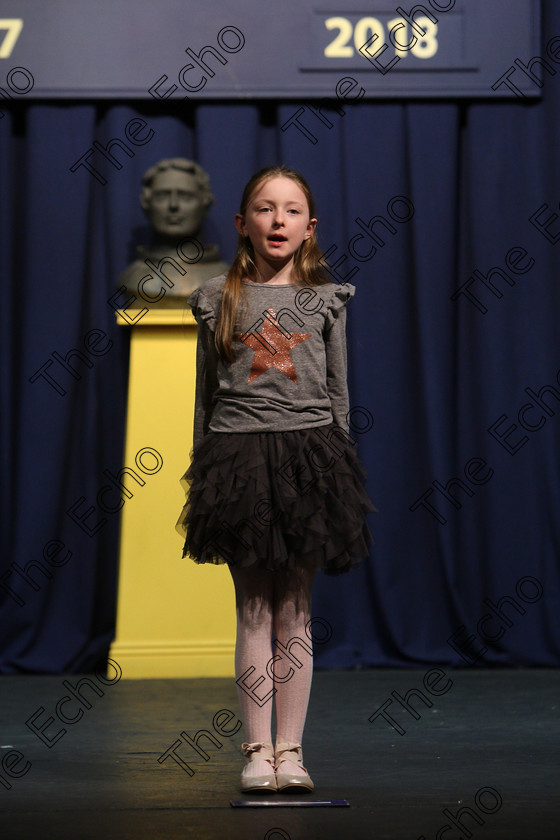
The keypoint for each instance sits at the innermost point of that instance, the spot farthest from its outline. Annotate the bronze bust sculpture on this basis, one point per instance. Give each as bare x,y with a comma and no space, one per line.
176,196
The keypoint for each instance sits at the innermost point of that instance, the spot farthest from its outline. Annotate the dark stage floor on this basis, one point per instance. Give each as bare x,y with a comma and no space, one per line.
489,744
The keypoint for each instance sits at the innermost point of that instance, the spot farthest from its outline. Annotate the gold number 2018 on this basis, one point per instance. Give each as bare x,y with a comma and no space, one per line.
423,46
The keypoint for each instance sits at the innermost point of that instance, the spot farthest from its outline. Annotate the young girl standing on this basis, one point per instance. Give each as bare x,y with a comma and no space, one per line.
275,488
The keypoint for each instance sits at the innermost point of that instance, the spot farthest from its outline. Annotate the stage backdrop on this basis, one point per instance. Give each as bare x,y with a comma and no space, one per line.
454,356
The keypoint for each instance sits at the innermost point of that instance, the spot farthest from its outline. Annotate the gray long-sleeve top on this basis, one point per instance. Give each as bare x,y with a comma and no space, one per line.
289,370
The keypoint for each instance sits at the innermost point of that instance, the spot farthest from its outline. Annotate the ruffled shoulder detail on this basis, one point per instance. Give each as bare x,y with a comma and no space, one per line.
202,309
204,301
338,300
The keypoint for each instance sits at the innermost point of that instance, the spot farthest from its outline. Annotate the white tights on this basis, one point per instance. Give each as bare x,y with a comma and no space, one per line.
270,603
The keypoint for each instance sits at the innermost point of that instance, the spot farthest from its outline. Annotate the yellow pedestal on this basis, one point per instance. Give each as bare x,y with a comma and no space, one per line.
174,618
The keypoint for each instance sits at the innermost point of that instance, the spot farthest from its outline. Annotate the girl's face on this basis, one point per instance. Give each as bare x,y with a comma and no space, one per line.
276,220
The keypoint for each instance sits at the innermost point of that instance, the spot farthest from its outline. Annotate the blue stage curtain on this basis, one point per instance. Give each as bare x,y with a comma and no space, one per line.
433,374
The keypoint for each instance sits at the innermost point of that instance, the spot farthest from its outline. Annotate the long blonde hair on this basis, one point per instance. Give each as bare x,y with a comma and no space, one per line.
307,270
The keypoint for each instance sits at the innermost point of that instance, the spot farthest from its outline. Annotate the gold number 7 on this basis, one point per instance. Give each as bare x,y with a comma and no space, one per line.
13,27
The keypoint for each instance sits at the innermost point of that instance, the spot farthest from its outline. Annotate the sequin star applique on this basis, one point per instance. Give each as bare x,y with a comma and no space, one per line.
272,345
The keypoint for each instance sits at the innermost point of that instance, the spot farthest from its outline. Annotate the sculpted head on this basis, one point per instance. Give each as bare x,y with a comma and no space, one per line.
175,197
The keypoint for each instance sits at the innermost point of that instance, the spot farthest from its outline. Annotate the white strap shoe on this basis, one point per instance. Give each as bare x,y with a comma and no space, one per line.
265,782
284,755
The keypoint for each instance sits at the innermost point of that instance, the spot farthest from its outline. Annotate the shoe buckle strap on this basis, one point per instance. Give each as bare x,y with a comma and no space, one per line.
250,750
282,749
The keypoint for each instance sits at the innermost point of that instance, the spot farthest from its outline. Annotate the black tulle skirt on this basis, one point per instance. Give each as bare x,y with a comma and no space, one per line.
277,500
